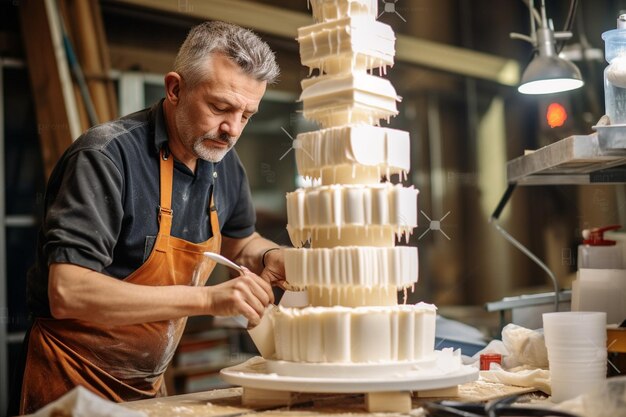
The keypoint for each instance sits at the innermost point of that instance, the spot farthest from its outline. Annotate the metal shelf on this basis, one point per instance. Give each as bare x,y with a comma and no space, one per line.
580,159
598,158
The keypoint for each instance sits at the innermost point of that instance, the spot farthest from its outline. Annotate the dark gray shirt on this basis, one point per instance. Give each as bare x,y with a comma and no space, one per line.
102,201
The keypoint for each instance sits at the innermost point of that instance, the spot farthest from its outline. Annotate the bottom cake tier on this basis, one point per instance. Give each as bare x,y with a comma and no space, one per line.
354,335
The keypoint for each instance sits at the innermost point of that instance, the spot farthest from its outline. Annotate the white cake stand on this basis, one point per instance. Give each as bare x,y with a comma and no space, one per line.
444,371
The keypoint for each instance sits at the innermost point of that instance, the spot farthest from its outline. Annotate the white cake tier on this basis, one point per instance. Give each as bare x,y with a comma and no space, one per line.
348,296
362,334
369,213
324,10
352,267
355,154
347,44
342,99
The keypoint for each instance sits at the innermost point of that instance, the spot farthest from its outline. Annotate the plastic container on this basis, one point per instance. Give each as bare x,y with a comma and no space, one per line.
569,354
600,284
566,389
596,252
615,72
587,319
486,359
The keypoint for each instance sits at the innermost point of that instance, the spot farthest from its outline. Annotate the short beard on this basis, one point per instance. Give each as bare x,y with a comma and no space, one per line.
209,153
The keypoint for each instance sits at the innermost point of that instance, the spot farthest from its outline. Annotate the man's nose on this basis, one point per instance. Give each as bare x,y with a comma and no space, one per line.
232,125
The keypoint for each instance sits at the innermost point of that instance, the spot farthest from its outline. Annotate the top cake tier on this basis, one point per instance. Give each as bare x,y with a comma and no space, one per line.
324,10
347,44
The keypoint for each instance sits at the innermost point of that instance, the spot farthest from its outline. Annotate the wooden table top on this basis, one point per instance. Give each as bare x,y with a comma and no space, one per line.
227,403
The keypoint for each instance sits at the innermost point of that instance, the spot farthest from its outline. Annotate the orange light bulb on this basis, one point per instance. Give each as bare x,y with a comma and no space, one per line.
556,115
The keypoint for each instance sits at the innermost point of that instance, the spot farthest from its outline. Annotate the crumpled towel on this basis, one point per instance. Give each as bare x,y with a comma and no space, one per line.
521,376
519,347
81,402
526,347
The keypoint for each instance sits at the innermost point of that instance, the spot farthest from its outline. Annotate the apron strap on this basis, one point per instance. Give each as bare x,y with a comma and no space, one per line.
166,174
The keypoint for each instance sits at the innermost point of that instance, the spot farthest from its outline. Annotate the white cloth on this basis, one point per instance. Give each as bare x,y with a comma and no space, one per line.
522,376
519,347
81,402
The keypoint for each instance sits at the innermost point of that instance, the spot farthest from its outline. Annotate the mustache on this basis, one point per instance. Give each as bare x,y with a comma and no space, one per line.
224,137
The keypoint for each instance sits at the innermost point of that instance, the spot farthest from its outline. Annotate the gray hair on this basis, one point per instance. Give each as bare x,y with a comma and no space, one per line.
243,46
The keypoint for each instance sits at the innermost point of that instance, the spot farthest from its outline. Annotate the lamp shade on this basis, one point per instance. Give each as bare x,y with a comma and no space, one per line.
550,74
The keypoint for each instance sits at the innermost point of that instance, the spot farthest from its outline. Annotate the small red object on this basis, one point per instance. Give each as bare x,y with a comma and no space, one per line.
486,359
595,237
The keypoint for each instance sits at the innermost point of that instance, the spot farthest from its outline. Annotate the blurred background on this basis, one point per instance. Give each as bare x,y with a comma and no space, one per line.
457,71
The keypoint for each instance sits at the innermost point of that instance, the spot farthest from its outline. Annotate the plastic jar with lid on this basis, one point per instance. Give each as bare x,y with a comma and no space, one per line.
615,72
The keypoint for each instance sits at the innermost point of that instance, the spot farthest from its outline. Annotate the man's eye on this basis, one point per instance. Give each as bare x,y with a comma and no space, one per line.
217,109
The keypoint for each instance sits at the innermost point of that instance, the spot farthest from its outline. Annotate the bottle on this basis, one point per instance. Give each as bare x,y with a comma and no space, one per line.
596,252
615,72
600,284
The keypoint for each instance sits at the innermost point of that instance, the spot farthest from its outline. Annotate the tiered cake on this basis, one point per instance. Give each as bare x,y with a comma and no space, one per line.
352,269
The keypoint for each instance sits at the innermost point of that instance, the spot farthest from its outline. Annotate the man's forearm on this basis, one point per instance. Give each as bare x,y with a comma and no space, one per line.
248,251
80,293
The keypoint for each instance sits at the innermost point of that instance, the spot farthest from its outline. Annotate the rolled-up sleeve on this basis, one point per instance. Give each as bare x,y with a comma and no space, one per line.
242,219
83,222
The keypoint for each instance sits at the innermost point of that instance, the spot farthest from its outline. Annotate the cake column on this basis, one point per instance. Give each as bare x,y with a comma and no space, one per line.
352,268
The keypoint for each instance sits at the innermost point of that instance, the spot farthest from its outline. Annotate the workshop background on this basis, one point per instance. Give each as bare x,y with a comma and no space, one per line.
456,69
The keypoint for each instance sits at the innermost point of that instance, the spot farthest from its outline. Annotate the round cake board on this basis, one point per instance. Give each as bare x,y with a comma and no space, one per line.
254,373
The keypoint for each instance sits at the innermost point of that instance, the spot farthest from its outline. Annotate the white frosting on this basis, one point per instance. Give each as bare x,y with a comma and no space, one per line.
351,296
324,10
327,210
375,235
362,334
336,100
347,44
352,270
356,266
354,148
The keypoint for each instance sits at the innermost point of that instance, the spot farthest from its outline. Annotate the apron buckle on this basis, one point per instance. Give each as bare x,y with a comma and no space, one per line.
166,211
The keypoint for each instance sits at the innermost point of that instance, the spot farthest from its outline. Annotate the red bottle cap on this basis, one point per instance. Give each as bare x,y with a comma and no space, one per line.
595,237
486,359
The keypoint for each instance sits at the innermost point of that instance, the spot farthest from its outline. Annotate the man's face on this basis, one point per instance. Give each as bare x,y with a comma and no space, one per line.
211,116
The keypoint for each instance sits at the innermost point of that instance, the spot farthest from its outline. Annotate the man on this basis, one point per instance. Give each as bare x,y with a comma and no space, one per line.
129,211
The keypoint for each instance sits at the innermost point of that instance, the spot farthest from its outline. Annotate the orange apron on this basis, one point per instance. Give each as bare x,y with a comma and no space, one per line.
120,363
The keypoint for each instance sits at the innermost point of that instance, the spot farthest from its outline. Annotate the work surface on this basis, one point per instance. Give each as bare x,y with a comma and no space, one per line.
227,403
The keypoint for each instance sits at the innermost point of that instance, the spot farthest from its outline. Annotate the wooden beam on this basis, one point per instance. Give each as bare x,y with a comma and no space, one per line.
55,106
285,23
91,47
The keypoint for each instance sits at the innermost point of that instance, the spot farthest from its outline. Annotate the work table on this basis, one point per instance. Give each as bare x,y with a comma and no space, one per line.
227,403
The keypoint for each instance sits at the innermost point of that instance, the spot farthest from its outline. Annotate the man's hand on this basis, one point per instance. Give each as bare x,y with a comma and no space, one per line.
247,294
274,271
249,251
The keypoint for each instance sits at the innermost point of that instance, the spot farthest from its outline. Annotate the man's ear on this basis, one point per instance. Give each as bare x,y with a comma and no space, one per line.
173,84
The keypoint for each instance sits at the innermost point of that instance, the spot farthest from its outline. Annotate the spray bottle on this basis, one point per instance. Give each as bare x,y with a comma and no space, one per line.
596,252
600,284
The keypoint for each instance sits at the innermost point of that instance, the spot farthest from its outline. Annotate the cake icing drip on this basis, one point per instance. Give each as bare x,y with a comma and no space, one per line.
357,266
351,296
347,44
361,334
356,153
357,97
373,209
